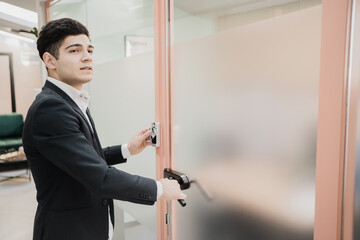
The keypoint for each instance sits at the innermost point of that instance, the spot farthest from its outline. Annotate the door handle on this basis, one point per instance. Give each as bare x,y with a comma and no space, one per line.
181,178
185,183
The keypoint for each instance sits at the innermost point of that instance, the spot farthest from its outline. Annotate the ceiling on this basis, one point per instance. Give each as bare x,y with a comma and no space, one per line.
12,24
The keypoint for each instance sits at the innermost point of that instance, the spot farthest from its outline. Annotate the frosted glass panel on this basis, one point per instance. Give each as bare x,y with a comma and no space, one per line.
123,91
117,20
245,122
356,184
69,9
123,102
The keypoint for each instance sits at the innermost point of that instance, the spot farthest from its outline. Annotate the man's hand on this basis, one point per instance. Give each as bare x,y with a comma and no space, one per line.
138,142
171,190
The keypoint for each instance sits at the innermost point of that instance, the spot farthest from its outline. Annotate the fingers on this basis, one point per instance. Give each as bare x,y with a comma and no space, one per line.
146,138
144,130
144,133
147,133
182,196
171,190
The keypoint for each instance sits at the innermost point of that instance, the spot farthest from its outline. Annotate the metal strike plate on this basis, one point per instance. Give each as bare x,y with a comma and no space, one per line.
155,135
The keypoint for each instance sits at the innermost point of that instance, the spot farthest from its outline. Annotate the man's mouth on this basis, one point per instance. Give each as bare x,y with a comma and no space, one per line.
86,68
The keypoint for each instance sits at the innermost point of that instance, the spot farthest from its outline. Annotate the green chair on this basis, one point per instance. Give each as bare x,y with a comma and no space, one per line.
11,126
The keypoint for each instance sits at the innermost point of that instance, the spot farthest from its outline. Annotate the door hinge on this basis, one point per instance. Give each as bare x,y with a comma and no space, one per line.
167,218
167,221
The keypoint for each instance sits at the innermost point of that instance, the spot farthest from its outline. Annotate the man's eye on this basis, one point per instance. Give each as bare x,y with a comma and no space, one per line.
90,51
74,50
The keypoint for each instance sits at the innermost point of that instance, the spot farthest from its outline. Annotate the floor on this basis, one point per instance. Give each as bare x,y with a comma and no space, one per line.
18,206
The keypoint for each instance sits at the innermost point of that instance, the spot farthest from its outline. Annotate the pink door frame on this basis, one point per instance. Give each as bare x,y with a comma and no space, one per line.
162,106
332,118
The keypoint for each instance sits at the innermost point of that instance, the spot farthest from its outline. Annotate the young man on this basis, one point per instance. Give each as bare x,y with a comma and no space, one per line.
75,184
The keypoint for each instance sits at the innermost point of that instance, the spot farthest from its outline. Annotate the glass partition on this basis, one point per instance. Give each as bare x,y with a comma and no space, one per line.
351,199
70,9
245,78
122,99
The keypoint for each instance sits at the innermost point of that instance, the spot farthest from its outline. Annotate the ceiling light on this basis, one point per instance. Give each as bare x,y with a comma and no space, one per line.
18,12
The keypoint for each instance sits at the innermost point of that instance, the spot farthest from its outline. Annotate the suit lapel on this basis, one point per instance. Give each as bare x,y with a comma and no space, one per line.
96,138
69,100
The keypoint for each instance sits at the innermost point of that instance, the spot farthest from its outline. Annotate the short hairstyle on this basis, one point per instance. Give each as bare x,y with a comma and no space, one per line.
54,33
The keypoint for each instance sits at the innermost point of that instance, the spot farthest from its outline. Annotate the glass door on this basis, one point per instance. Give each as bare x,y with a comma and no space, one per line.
351,204
245,80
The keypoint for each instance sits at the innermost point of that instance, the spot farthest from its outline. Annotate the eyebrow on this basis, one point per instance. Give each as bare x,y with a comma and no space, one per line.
78,45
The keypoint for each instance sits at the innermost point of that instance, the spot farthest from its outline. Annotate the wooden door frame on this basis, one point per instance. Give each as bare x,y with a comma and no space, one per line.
332,119
162,107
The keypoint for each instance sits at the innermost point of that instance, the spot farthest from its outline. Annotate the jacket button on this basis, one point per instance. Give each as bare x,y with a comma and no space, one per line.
104,202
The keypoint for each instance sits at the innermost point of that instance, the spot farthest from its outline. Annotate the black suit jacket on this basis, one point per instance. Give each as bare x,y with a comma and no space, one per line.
75,184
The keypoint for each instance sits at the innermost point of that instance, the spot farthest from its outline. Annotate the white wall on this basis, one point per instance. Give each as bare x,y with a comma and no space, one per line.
27,70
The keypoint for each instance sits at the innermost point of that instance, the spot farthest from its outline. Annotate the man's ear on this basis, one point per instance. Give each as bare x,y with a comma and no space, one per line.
49,60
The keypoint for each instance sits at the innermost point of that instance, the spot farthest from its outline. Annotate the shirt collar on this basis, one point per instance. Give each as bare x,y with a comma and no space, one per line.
81,98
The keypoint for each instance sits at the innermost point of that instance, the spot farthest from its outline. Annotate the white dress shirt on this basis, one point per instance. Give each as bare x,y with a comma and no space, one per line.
82,98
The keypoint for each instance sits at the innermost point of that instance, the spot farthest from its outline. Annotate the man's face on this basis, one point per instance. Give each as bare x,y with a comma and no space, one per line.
74,65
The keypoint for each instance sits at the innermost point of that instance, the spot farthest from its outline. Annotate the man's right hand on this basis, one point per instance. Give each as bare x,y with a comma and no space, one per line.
171,190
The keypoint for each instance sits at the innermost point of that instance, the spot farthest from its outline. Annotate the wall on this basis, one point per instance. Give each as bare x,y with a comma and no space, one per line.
27,71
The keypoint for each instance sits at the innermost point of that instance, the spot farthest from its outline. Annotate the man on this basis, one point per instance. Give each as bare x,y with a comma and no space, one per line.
75,184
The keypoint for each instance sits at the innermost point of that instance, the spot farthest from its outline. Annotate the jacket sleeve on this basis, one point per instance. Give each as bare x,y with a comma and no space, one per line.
57,136
113,155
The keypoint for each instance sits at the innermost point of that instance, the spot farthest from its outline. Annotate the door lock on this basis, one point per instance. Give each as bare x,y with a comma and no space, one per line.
154,138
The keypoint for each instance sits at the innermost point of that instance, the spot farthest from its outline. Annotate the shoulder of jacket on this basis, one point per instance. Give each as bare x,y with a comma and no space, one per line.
49,98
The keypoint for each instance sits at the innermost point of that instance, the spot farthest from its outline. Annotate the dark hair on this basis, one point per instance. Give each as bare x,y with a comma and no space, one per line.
54,32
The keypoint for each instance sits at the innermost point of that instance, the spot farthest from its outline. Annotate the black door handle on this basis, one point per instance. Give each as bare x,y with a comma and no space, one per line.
184,182
181,178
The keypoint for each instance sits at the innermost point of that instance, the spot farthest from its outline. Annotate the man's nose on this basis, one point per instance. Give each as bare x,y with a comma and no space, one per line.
87,57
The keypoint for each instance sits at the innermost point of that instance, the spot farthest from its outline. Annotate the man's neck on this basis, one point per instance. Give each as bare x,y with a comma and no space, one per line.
77,86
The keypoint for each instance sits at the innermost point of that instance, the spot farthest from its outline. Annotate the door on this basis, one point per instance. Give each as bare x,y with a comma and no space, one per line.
351,206
245,82
7,97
